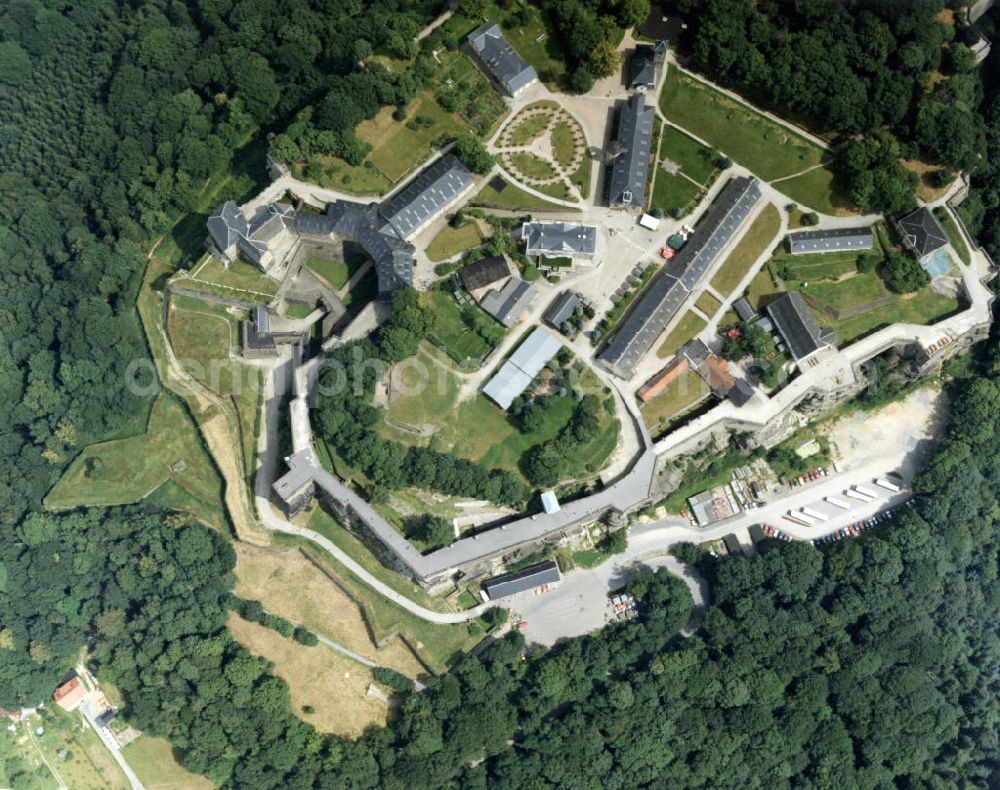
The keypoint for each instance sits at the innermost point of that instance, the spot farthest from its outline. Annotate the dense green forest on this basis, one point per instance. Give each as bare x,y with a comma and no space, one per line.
900,73
114,115
870,663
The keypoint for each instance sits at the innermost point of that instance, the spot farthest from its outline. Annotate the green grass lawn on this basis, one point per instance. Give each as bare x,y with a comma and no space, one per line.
688,326
817,190
127,470
757,239
558,190
207,334
467,333
239,275
529,128
479,431
924,307
563,143
205,287
295,310
954,234
694,158
532,166
671,192
512,197
707,303
811,267
397,146
679,395
437,646
334,173
581,177
451,241
749,138
337,273
763,288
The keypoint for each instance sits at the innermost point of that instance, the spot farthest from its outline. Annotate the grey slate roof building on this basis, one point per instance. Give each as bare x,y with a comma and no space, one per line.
427,194
644,323
295,488
484,272
740,392
382,229
696,352
671,285
528,579
559,238
833,240
744,309
259,340
629,169
233,235
798,326
561,309
642,67
921,232
714,230
508,303
520,369
500,60
359,223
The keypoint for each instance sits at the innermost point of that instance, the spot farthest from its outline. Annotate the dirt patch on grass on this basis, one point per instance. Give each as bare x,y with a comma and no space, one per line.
288,584
222,443
333,685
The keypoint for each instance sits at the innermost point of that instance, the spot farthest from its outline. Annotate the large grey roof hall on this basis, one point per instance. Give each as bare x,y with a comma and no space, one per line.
798,326
630,168
832,240
431,191
670,286
559,238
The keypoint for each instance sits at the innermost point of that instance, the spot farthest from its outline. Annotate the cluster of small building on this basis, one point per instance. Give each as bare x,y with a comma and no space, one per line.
672,284
505,295
623,607
713,369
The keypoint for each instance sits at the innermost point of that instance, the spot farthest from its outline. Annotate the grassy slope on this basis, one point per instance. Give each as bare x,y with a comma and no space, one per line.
127,470
207,334
758,237
687,389
451,241
153,761
751,139
333,685
687,327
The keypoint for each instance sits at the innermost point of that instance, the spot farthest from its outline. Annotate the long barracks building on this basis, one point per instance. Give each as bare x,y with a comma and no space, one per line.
670,286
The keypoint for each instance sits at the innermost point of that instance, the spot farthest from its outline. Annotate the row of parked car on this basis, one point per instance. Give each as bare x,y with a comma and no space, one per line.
774,532
806,478
855,529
